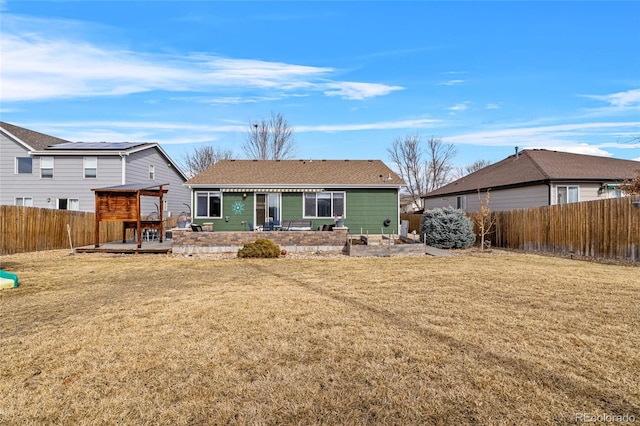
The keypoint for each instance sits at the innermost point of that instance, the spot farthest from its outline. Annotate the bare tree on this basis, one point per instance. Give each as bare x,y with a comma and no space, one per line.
408,158
438,165
422,170
477,165
461,171
203,157
632,186
484,220
269,139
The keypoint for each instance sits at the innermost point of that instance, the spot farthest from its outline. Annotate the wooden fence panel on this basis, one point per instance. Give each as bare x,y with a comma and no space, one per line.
603,229
414,221
26,229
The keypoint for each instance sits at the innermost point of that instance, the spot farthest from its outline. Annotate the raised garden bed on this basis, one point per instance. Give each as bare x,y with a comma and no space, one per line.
384,246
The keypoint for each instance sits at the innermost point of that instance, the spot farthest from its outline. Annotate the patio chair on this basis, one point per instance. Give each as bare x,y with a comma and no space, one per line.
250,225
196,228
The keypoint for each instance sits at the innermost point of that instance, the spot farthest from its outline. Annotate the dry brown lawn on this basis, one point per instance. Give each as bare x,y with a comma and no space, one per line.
470,339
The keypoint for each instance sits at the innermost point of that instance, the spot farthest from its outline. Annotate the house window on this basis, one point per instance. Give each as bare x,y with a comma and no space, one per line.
46,167
24,165
611,190
324,204
461,202
90,167
24,201
567,194
68,204
152,172
209,204
615,193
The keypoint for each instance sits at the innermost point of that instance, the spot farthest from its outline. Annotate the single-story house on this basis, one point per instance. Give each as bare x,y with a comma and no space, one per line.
536,177
236,195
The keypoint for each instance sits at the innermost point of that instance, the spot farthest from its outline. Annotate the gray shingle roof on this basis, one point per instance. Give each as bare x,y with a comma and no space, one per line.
36,140
298,172
540,165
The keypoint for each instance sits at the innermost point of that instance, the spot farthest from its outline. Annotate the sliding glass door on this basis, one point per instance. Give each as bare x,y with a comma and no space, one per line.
267,208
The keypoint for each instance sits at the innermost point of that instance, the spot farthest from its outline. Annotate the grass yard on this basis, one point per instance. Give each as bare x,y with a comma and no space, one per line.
470,339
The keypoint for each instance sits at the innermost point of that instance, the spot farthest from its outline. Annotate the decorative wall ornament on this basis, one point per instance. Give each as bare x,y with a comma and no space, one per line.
237,207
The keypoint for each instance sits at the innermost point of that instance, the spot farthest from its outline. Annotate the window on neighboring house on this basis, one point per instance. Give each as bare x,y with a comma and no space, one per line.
461,202
567,194
324,204
24,165
46,167
68,204
90,167
611,191
152,172
24,201
209,204
615,193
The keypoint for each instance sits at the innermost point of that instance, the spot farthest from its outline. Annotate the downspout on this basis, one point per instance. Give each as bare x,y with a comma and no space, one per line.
398,204
124,167
549,185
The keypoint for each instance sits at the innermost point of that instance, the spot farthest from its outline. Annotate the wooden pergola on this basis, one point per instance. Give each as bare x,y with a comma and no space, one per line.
122,204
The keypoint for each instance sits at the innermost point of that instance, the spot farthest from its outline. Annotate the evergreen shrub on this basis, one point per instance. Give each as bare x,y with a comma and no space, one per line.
262,248
447,228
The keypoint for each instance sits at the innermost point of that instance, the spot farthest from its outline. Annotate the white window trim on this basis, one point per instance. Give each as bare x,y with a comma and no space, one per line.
84,168
16,166
462,198
152,172
68,202
333,215
47,168
15,201
567,187
208,193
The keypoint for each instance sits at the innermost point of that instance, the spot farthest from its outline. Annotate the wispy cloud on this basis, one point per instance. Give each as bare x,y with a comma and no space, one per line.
628,98
382,125
492,106
43,66
463,106
186,133
452,82
358,91
568,137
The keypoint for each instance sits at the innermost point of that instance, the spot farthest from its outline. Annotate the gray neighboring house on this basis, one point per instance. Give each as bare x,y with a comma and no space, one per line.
536,177
39,170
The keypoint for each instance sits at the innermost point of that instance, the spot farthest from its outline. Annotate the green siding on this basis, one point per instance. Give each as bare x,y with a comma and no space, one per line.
366,209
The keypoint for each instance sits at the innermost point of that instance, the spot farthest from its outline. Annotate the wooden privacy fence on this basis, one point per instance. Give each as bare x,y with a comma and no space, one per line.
26,229
603,229
607,229
414,221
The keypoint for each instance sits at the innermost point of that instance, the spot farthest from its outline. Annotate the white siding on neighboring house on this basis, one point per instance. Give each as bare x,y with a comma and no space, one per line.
586,191
68,181
502,199
138,172
13,185
70,184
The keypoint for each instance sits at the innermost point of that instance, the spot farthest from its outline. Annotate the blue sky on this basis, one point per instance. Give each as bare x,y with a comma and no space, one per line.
350,77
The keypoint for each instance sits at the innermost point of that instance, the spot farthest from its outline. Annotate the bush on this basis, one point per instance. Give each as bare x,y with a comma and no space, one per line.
262,247
447,228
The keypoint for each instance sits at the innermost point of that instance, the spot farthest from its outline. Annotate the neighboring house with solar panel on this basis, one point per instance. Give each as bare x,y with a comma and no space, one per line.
39,170
536,177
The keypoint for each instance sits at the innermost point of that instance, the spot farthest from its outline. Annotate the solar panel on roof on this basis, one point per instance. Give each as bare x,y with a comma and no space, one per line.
95,145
